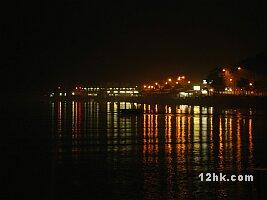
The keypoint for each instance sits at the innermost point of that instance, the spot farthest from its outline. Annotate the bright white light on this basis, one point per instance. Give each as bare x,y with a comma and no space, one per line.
204,92
60,94
196,87
204,82
183,94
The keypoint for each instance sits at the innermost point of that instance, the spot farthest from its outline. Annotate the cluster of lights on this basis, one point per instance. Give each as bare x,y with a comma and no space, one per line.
225,69
168,81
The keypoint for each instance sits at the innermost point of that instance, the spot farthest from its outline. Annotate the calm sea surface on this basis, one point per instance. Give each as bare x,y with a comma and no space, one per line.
87,150
156,155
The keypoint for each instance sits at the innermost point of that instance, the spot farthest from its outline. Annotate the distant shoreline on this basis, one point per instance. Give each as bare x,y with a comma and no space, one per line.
219,101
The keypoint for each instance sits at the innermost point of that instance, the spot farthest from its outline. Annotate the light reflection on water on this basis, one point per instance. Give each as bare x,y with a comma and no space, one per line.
161,151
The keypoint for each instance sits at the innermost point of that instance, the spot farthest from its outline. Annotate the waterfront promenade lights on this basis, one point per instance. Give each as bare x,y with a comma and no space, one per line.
144,86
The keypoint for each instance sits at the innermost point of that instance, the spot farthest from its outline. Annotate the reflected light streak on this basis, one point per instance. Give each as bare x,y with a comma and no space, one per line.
250,144
221,159
238,146
59,118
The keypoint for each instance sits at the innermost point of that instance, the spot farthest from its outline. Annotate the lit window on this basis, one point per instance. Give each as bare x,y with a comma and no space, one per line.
196,87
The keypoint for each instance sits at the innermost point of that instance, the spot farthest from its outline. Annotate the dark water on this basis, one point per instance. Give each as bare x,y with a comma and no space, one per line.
86,150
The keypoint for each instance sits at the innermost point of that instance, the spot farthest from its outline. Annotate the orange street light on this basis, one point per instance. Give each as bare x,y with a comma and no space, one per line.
176,82
188,82
169,79
166,83
144,86
156,83
250,84
231,79
223,70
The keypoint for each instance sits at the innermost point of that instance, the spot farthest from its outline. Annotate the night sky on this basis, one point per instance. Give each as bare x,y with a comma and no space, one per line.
97,41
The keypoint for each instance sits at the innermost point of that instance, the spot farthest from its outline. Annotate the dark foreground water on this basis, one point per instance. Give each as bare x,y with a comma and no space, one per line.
87,150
